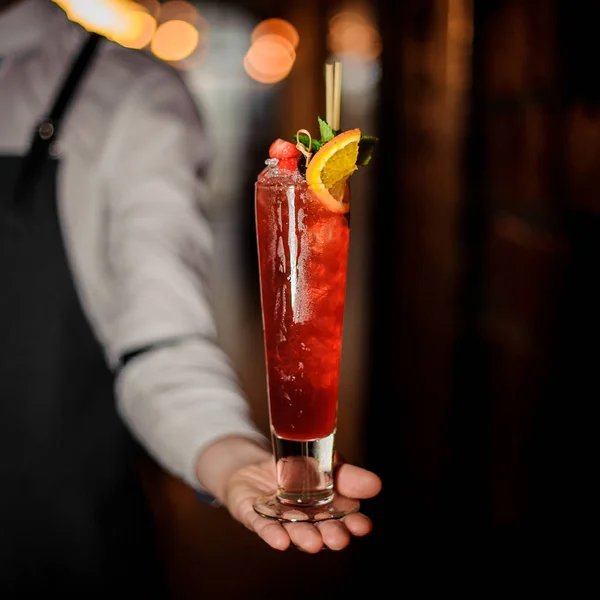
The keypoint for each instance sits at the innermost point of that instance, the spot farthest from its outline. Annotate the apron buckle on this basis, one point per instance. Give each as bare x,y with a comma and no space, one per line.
46,130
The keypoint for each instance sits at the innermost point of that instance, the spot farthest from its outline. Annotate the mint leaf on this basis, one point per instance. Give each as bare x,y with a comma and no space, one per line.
316,144
326,132
302,138
365,150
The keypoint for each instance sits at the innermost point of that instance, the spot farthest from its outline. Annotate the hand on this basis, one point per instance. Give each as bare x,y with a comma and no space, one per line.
251,481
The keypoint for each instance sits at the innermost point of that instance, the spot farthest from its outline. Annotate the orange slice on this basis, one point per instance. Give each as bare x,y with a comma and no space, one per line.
330,168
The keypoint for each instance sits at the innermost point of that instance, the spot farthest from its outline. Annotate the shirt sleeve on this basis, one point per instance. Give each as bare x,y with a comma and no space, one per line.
182,395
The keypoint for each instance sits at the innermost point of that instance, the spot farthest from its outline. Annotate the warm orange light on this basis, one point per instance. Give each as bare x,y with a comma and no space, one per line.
140,29
279,27
152,7
346,16
181,35
127,22
107,17
178,10
269,59
353,34
174,31
175,40
64,4
260,77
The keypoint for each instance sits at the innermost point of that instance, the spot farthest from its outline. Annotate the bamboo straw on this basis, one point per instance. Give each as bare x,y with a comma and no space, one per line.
337,95
329,93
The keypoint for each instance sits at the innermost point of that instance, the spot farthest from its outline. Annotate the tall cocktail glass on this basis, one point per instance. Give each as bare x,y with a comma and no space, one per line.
303,256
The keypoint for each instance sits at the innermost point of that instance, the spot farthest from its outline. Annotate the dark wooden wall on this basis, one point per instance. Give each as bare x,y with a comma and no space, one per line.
484,367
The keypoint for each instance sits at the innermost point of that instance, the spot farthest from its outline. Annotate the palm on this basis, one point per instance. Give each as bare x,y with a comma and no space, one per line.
252,481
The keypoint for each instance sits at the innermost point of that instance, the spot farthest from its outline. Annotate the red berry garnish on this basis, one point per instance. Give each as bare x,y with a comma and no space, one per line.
282,149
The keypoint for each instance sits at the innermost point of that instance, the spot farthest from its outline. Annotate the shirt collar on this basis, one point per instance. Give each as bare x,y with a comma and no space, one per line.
23,25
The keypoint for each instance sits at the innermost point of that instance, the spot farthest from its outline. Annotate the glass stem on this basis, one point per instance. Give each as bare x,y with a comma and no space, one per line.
305,470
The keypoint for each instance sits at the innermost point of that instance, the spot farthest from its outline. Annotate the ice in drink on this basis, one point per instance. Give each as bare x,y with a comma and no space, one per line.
303,254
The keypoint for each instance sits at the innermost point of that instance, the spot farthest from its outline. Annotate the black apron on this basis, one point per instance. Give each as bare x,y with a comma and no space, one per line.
73,517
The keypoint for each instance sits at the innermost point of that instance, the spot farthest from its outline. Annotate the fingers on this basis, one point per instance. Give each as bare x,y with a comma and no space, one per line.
355,482
271,532
311,537
335,534
358,524
305,536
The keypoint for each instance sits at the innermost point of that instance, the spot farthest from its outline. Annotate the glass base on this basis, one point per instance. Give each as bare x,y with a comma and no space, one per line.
273,508
305,483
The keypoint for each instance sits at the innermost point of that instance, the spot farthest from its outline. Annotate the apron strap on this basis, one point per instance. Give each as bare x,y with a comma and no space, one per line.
47,131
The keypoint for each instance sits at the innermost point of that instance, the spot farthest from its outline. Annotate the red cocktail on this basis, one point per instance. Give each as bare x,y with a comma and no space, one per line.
303,255
302,204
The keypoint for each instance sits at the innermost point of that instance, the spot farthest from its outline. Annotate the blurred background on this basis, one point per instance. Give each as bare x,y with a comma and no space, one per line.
469,370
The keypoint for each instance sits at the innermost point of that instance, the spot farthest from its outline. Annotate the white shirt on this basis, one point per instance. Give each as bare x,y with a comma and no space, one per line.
131,205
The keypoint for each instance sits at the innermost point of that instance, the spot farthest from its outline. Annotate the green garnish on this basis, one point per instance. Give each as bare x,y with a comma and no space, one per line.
327,133
305,141
365,150
365,146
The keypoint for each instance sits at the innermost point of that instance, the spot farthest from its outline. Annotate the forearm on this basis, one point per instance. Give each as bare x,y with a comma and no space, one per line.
181,400
220,460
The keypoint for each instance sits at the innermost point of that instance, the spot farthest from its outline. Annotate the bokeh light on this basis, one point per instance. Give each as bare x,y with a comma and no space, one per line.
127,22
353,34
152,7
174,31
269,59
107,17
178,10
279,27
181,36
175,41
272,51
139,29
